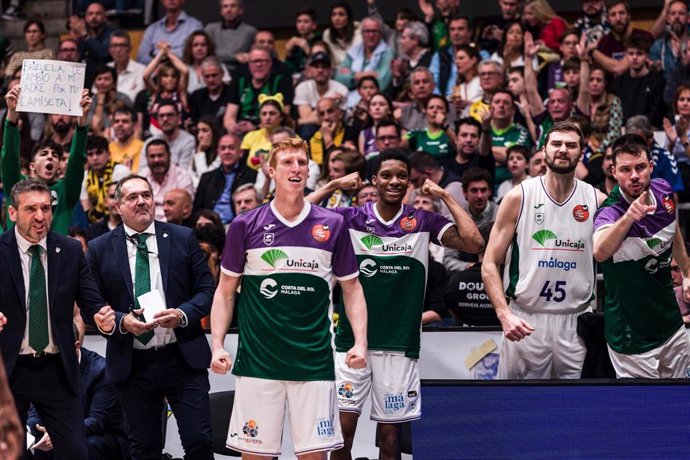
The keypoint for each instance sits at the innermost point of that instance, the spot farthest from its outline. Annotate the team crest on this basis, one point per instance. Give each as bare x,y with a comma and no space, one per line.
539,218
581,212
321,232
408,223
669,206
268,239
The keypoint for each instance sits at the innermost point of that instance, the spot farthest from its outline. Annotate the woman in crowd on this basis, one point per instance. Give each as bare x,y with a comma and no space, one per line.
678,134
605,110
198,46
258,142
35,39
511,52
170,84
438,138
467,89
205,158
380,108
107,100
342,32
357,116
540,18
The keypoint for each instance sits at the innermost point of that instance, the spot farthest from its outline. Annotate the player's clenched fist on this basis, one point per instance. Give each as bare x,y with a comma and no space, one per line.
221,362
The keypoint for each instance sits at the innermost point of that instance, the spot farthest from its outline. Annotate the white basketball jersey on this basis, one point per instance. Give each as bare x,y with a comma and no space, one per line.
549,266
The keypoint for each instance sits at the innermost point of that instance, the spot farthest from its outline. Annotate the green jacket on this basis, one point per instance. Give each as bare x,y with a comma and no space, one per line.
65,192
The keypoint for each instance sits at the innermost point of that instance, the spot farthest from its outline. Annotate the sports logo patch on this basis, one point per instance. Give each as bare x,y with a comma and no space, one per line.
251,429
321,232
668,203
581,212
408,223
539,218
346,390
269,238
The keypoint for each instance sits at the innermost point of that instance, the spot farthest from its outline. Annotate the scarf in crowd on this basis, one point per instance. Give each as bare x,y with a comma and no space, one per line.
96,187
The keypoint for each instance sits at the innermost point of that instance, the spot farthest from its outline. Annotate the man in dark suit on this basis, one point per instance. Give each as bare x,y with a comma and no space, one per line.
45,274
217,186
166,355
106,433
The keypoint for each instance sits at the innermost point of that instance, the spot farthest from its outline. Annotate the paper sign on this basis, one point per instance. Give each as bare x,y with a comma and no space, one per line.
49,86
152,302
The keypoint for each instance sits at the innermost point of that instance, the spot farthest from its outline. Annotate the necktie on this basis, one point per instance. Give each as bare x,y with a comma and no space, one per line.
38,302
142,279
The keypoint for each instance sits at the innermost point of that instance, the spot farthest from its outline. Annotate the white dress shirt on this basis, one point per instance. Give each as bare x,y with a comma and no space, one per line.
25,258
162,336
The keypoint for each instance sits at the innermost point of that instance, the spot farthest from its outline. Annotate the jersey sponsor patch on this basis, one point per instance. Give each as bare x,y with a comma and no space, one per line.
669,206
321,233
408,223
581,212
269,238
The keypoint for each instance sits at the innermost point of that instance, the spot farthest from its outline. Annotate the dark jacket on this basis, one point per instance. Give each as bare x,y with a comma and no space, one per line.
212,183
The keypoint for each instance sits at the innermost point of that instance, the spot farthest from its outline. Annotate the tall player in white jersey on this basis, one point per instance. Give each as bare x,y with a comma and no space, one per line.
543,233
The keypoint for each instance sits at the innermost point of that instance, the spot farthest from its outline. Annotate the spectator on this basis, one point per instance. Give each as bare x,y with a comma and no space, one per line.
639,88
257,143
594,23
307,93
437,138
216,186
211,241
114,219
126,147
171,30
588,169
147,102
438,21
511,52
130,73
380,108
197,48
677,134
571,77
232,36
476,186
414,51
663,162
170,82
242,112
425,166
518,165
207,217
205,158
68,50
607,184
177,206
34,37
92,33
367,194
442,62
467,153
467,89
59,129
668,49
605,109
611,47
298,47
537,164
342,32
163,175
100,173
388,135
107,100
422,87
491,79
245,198
181,145
494,27
567,50
213,98
500,132
332,131
681,76
357,116
264,39
372,58
543,22
340,164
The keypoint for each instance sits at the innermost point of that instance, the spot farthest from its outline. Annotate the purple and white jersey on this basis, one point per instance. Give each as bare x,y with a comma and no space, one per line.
283,310
393,261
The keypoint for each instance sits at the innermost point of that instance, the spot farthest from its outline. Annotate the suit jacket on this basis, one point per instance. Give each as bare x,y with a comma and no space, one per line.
102,411
69,279
187,283
212,184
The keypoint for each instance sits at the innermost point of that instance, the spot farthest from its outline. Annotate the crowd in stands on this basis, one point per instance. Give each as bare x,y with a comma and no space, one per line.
471,99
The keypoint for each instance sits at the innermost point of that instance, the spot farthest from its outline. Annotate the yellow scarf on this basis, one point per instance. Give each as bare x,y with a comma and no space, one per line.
96,187
316,143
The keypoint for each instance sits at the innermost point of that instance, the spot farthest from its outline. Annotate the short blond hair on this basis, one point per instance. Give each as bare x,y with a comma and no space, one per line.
289,144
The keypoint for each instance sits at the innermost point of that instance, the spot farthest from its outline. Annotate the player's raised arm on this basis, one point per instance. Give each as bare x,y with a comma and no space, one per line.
350,182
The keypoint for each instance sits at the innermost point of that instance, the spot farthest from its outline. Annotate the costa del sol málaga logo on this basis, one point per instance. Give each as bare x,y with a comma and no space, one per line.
268,288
